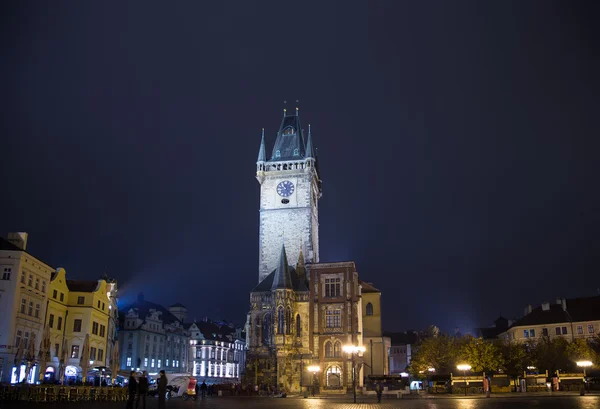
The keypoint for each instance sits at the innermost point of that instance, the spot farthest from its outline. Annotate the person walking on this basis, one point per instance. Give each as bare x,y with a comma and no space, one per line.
203,389
379,391
132,389
142,390
162,389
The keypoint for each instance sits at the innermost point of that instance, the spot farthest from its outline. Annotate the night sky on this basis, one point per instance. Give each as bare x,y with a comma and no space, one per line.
458,145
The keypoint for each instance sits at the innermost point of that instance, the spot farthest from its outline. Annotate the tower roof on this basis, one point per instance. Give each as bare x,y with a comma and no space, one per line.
262,156
290,140
282,277
309,147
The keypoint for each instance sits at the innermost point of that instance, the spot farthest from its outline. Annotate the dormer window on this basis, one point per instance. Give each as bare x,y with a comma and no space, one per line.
296,152
278,153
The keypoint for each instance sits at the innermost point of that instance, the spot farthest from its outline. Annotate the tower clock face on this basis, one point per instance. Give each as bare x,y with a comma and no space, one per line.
285,188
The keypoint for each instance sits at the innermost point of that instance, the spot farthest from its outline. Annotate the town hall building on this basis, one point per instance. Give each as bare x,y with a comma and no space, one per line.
303,311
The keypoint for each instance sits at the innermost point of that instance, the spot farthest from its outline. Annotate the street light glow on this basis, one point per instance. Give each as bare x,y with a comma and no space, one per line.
463,367
431,369
314,368
353,349
584,364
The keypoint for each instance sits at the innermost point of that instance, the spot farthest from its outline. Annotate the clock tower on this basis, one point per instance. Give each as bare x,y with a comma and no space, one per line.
290,189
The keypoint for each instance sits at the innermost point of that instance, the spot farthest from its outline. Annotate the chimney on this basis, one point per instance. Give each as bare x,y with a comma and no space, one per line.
559,301
528,309
18,239
545,306
564,304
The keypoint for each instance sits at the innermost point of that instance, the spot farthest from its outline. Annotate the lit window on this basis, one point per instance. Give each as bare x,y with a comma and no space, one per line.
146,362
158,366
333,318
75,351
152,363
333,287
128,361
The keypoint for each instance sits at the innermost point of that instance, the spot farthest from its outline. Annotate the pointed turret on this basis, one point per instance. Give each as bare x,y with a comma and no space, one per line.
262,156
309,148
300,270
282,278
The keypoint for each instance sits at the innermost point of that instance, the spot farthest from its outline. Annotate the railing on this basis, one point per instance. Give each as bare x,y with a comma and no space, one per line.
55,393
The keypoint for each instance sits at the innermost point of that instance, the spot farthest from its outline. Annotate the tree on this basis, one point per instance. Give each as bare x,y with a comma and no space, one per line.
435,352
551,354
516,358
581,350
482,355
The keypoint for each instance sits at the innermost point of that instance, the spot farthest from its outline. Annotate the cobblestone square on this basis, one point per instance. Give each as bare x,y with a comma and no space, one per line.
546,402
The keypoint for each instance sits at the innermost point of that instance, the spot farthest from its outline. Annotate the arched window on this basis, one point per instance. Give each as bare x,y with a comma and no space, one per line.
280,321
334,377
288,321
298,326
328,350
266,329
337,349
369,309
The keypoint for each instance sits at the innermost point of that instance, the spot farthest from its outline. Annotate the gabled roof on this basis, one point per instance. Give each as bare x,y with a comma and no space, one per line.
368,287
7,245
577,310
84,286
298,284
290,140
143,308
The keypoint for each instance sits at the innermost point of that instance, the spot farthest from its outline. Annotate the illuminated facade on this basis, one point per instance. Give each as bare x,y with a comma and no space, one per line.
152,338
302,311
77,308
217,352
24,283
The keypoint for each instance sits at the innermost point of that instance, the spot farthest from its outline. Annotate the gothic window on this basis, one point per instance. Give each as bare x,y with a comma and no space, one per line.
337,349
369,309
280,321
328,350
298,326
266,332
288,321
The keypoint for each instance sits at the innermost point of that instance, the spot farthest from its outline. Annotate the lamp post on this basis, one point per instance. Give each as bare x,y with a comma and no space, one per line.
464,368
353,350
314,369
584,365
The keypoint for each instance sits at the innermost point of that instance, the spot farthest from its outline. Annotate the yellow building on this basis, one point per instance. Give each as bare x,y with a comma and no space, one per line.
376,356
77,308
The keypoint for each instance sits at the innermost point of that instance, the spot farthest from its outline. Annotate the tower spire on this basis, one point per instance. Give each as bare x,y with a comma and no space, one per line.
262,156
309,148
282,277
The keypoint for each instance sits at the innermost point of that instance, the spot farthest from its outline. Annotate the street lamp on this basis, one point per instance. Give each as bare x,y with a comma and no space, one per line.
353,350
464,368
584,365
314,369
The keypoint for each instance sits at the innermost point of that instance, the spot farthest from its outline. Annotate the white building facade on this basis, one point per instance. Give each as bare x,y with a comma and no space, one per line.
23,299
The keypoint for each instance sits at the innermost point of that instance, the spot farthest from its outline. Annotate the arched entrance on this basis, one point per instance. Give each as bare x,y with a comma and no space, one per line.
334,377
